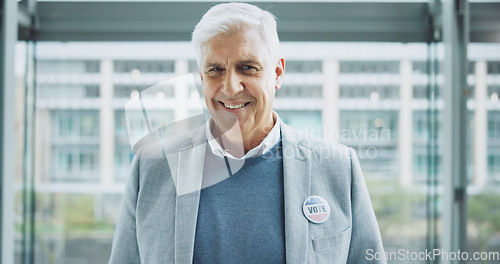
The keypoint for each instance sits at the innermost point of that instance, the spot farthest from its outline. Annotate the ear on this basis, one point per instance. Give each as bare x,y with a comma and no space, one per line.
201,76
280,72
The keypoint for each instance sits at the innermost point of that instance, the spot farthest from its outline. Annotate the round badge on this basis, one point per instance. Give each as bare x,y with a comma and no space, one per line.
316,209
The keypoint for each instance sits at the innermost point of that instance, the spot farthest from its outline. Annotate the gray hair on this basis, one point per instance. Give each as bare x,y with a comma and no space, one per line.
229,18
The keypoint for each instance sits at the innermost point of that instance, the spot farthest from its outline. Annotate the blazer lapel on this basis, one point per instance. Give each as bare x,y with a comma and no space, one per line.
188,177
297,182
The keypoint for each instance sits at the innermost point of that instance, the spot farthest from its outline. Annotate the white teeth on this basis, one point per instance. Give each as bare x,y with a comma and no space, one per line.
234,106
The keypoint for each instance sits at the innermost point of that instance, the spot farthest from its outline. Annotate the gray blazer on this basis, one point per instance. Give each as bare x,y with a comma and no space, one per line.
159,213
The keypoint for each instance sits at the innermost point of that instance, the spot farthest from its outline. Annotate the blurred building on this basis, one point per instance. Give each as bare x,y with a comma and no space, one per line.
372,97
69,150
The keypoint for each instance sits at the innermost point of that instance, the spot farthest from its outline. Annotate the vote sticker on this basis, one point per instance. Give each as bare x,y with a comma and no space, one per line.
316,209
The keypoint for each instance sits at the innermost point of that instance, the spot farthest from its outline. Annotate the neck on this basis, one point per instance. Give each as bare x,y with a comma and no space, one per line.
238,143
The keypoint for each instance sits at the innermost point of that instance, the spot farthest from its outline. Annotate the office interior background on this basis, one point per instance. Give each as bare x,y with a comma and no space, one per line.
412,86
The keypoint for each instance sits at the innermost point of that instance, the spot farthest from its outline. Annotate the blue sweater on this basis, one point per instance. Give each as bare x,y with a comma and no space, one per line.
241,219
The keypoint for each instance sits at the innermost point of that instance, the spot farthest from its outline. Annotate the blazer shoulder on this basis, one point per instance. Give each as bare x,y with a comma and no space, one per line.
158,143
318,147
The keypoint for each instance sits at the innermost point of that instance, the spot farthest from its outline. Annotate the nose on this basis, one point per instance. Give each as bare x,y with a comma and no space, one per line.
232,83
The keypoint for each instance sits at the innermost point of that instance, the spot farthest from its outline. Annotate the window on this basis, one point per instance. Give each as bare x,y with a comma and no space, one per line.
73,143
303,66
76,163
369,67
493,67
75,125
73,152
127,66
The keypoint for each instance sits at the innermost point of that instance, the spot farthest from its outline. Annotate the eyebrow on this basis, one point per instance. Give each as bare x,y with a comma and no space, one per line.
251,62
211,65
248,62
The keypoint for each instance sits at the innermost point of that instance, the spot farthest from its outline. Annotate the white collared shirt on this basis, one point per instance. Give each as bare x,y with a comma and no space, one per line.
267,144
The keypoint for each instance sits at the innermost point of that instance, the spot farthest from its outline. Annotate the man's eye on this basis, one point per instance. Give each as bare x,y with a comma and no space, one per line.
215,71
248,68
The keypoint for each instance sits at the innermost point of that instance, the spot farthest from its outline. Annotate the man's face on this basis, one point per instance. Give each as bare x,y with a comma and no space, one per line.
239,81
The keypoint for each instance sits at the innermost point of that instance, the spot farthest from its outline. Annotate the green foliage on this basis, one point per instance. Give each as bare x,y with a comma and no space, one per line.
79,211
485,208
62,216
483,212
71,214
398,209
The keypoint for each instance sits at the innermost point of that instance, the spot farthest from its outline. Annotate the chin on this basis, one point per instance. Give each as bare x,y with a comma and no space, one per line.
224,123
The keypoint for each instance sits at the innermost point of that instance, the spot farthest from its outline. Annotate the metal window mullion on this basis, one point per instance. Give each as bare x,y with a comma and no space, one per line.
8,35
455,30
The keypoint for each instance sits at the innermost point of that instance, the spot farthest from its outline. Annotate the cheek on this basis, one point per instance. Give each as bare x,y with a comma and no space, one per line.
270,91
207,89
209,98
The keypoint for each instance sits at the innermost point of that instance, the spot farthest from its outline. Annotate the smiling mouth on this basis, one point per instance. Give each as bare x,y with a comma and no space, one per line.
228,106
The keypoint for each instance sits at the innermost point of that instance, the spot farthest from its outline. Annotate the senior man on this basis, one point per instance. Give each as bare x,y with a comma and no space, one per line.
246,188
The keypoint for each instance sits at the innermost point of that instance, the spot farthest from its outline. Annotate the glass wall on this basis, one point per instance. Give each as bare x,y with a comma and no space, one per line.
387,108
483,204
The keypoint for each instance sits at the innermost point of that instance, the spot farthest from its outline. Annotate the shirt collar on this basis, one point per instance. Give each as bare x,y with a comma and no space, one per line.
267,144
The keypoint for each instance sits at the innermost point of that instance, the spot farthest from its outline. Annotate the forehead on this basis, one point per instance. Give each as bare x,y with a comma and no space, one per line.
245,45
